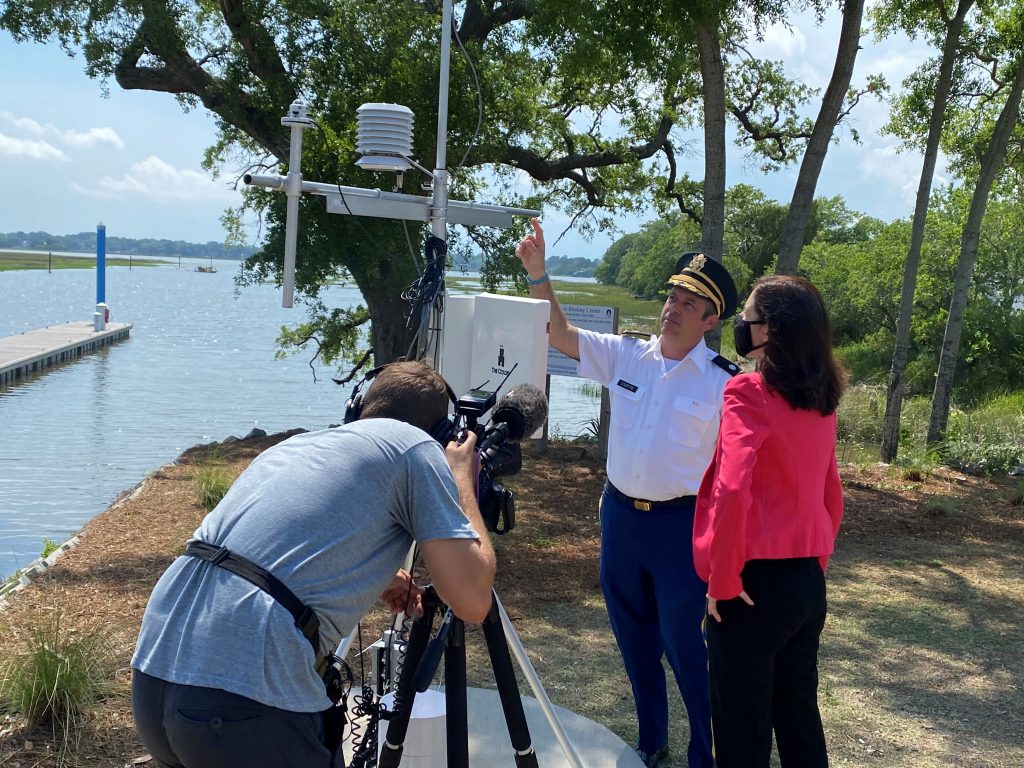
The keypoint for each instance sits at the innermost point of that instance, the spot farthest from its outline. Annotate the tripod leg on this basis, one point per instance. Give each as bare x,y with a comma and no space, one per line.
405,695
508,690
456,707
538,689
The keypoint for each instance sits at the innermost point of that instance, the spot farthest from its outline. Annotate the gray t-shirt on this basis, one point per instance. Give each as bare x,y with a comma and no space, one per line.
332,514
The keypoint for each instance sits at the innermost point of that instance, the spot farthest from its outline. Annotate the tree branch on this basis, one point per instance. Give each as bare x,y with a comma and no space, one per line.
569,166
670,185
481,17
179,73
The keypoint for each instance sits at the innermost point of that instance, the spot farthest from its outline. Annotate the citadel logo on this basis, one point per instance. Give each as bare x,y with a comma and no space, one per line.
499,369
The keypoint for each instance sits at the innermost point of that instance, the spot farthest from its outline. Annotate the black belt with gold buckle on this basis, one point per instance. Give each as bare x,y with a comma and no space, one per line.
646,506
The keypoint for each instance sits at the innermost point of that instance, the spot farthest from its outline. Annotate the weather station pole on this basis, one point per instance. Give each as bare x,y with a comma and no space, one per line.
297,120
439,207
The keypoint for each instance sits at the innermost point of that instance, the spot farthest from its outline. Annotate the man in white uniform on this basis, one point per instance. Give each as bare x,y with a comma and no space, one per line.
666,396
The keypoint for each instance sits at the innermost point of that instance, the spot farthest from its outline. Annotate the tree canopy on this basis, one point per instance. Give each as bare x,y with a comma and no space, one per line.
589,104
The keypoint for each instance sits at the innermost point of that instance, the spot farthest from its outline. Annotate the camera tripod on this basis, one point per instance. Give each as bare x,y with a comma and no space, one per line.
421,660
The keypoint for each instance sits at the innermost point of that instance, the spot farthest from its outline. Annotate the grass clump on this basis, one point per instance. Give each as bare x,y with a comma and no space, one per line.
1017,495
58,675
212,482
941,506
49,547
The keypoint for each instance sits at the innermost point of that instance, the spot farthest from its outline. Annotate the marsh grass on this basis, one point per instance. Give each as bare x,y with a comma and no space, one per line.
985,439
58,675
212,481
18,261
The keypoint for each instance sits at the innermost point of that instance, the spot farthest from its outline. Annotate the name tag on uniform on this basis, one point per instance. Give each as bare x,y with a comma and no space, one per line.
626,385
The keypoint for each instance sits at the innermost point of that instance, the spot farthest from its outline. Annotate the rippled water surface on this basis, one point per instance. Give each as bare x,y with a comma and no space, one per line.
199,366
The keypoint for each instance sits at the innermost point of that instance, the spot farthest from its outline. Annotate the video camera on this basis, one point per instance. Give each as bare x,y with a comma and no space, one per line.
517,414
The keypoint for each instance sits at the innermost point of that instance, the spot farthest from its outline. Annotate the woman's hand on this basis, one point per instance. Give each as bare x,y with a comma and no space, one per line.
713,605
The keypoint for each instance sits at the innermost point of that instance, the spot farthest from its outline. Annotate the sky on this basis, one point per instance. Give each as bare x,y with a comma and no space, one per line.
72,156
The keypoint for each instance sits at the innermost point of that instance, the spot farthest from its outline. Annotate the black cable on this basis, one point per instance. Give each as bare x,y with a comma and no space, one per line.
425,294
364,748
479,99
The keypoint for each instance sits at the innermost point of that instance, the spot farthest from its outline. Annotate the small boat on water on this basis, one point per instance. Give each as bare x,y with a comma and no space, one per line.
202,268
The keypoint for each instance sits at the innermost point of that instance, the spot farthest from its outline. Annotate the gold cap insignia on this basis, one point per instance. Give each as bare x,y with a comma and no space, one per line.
698,262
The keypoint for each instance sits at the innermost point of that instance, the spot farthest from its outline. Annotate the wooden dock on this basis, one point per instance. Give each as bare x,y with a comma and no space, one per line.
30,352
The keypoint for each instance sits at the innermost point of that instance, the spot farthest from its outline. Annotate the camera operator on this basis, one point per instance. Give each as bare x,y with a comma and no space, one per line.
666,399
222,674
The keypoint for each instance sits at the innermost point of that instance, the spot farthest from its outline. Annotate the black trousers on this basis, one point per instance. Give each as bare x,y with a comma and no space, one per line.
763,665
186,726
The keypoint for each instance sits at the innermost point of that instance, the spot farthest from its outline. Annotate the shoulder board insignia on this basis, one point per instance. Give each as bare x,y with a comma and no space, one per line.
726,365
641,335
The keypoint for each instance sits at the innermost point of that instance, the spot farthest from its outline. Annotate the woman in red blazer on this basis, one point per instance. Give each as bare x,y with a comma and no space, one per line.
767,515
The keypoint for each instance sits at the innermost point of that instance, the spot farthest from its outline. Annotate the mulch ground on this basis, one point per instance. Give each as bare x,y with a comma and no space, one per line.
550,558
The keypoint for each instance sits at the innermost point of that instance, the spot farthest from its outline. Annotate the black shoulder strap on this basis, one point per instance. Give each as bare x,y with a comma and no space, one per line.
726,365
305,618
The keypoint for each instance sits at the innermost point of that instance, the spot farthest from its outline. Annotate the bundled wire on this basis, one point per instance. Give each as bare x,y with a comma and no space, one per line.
425,295
364,745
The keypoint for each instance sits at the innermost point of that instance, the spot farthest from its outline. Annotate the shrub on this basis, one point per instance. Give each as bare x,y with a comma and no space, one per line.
212,482
59,675
988,439
49,547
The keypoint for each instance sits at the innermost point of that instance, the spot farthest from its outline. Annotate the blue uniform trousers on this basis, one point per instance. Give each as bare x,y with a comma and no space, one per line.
656,605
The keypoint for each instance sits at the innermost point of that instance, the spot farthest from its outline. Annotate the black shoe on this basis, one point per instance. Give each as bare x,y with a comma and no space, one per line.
653,759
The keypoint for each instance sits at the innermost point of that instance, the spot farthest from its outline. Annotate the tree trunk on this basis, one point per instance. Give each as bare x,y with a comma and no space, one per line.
991,164
713,221
713,74
894,394
389,335
814,157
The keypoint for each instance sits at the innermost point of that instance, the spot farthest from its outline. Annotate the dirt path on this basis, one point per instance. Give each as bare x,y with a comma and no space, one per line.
920,661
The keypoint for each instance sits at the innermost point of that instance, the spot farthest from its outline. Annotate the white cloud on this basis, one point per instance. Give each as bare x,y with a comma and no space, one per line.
898,170
780,42
71,137
92,137
31,149
157,180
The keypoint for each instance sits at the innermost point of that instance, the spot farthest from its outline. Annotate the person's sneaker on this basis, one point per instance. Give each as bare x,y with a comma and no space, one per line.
653,759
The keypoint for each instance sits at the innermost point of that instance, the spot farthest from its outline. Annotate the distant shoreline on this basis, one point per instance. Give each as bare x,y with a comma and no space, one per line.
21,260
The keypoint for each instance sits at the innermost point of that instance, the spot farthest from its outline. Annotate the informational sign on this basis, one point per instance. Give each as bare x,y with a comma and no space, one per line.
600,319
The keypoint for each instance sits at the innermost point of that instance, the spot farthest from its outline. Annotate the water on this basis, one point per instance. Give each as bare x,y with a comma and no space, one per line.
199,366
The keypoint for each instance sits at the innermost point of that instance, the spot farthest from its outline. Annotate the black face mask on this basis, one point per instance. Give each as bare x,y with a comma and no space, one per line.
741,336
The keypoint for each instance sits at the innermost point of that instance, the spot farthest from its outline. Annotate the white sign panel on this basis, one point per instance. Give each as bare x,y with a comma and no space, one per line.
600,319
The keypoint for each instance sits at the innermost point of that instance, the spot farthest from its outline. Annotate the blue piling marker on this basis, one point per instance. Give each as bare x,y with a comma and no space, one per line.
101,263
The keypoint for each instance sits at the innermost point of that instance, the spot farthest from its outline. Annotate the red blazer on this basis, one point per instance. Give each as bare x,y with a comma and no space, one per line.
772,490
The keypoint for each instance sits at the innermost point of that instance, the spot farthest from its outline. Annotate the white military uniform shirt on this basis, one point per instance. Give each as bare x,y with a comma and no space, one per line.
665,414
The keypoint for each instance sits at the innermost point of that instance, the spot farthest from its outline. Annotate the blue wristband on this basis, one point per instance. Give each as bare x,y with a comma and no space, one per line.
542,279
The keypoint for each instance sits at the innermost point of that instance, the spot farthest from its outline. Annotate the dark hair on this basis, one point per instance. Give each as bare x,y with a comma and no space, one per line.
798,362
410,391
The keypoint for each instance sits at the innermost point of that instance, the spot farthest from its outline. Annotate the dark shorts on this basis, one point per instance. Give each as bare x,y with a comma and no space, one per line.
185,726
